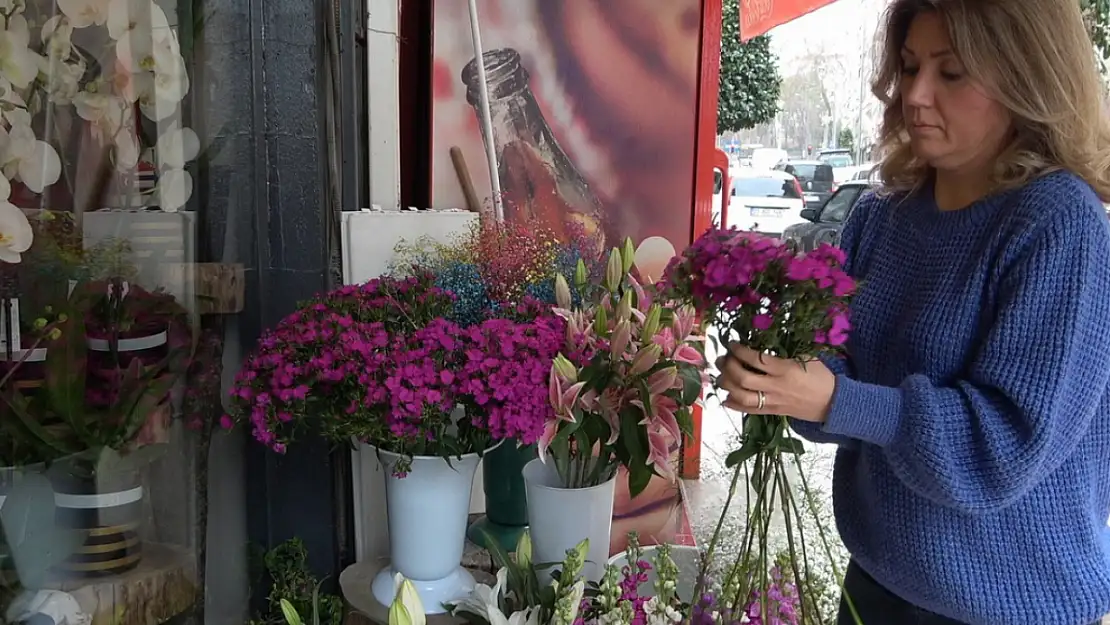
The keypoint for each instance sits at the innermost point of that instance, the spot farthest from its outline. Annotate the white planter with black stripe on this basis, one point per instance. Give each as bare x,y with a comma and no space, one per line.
110,512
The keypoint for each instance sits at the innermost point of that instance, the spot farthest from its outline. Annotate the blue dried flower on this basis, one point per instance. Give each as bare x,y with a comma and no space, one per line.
472,303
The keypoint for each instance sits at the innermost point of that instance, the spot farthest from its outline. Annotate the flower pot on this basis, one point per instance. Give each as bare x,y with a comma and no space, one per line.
687,559
109,510
559,518
30,368
149,347
427,513
506,515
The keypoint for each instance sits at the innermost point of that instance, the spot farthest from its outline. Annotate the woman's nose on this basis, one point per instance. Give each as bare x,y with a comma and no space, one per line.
920,91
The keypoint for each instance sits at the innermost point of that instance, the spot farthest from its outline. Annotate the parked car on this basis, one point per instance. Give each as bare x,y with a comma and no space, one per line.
823,225
765,201
816,178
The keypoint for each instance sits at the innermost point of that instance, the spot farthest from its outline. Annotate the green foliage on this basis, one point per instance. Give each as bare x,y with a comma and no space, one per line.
750,80
294,590
1097,14
846,139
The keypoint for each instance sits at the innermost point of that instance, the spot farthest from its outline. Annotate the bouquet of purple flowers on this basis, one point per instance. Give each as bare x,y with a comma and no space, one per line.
760,292
382,363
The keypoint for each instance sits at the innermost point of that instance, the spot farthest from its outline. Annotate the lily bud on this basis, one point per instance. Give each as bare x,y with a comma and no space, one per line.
621,337
624,308
601,321
651,324
562,292
614,271
645,359
524,550
628,255
580,275
566,370
290,613
406,608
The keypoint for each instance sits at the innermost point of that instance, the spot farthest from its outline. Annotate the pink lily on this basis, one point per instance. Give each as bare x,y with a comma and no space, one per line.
684,319
550,430
666,341
662,381
661,415
643,300
689,354
645,359
659,454
621,336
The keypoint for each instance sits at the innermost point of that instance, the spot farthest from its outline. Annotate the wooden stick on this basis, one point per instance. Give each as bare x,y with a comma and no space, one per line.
463,172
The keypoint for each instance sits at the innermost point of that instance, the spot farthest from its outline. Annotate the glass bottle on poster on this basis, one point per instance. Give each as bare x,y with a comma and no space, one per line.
539,183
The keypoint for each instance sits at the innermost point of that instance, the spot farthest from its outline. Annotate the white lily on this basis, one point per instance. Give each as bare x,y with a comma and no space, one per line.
483,600
177,146
529,616
18,63
175,187
16,234
84,13
32,161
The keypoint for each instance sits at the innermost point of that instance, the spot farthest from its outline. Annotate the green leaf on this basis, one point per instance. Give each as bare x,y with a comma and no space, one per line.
748,449
789,445
639,476
691,383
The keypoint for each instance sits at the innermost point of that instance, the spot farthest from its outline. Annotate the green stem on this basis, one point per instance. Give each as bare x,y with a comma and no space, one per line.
704,571
824,540
786,495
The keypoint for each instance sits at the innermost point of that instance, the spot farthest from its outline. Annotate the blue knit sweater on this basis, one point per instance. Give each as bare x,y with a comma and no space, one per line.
972,410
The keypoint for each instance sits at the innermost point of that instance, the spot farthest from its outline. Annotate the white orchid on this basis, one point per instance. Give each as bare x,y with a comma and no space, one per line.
18,63
84,13
28,159
177,146
175,187
62,78
57,32
127,150
163,83
107,112
16,235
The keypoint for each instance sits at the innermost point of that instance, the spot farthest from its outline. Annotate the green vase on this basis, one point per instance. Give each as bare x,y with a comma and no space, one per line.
506,515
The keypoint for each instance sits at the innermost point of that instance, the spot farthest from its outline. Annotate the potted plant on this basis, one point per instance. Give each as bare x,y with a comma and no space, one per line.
376,363
622,392
96,440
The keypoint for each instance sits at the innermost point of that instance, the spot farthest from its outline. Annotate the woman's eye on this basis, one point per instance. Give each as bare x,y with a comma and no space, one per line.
909,71
951,76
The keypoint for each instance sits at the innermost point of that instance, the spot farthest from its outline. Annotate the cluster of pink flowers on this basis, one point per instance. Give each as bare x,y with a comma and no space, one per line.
381,363
770,295
504,372
778,606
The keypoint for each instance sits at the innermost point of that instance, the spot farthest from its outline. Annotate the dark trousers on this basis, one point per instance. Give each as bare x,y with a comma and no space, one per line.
876,605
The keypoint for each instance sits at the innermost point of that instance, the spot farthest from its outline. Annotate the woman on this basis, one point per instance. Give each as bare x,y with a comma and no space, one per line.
972,409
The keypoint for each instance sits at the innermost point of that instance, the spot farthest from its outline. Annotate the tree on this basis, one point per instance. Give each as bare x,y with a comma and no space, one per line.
1097,14
750,81
847,140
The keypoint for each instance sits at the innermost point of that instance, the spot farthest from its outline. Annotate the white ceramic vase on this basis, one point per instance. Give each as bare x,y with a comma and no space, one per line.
559,518
428,511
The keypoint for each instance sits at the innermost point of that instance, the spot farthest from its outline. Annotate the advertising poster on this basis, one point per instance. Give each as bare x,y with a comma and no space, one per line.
594,111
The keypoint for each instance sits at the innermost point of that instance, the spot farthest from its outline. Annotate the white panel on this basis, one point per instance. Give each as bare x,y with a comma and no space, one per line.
383,103
369,238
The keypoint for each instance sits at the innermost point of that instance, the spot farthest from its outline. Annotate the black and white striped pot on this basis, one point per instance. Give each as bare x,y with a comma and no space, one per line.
110,516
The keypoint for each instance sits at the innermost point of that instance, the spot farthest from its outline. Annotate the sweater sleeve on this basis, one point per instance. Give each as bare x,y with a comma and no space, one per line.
841,364
979,443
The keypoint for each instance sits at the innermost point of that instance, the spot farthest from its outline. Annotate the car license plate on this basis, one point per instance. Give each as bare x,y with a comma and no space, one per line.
765,212
811,198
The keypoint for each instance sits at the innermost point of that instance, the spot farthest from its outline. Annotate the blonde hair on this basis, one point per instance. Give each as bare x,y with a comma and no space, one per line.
1032,56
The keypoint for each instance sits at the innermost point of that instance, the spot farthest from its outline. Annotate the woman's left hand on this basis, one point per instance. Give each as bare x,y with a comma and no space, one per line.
787,387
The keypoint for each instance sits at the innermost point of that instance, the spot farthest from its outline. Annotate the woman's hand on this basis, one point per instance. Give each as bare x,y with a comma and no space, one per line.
786,386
